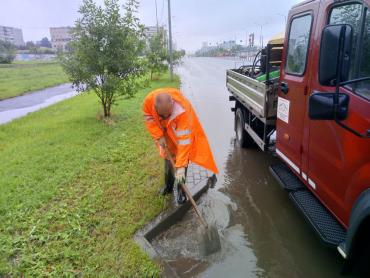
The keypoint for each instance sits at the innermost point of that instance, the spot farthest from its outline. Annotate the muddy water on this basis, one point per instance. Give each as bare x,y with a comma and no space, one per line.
262,234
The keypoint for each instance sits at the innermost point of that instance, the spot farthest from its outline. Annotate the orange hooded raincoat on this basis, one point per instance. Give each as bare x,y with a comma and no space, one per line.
184,134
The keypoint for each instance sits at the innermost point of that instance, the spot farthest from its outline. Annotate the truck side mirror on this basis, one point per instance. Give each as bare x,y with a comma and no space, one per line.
335,54
321,106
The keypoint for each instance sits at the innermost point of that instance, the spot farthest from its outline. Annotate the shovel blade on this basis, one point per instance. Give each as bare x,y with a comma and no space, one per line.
210,241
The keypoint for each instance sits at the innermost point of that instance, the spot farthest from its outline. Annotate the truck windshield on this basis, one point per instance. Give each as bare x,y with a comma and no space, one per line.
356,14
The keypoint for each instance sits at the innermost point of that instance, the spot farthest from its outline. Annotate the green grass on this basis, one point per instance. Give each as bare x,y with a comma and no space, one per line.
22,77
74,190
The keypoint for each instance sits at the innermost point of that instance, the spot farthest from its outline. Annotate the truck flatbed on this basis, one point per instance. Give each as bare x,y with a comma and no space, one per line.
259,98
255,90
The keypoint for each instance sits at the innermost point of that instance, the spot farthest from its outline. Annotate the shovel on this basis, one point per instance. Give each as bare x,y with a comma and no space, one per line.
210,238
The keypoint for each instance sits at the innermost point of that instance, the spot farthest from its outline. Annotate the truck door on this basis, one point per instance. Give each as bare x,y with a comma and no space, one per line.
295,73
337,157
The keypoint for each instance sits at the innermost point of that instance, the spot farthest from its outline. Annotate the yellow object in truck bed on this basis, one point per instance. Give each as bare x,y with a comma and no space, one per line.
277,39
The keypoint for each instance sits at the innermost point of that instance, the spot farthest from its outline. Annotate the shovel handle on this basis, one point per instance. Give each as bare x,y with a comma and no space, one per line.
185,189
187,192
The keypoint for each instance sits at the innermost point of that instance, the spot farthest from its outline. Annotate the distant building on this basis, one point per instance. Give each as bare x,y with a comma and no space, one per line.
228,45
60,37
12,35
151,31
251,40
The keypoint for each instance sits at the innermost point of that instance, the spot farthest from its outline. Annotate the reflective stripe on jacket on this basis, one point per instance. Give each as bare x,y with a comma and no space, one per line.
183,132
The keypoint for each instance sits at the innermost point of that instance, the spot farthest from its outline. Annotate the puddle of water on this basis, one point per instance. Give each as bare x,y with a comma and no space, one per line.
261,232
180,245
18,107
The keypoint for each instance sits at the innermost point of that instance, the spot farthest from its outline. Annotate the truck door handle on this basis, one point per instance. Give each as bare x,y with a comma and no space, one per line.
284,87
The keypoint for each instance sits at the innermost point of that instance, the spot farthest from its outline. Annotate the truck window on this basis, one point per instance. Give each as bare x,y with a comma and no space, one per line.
352,14
349,14
299,37
363,88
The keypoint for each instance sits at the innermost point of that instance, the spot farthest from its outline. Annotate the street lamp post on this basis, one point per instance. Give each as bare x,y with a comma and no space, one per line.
170,39
261,33
283,15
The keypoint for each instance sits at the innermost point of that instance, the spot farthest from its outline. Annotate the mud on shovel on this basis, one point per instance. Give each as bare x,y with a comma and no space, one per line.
210,239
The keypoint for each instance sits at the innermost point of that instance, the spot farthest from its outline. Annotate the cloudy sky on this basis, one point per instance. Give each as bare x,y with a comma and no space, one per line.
194,21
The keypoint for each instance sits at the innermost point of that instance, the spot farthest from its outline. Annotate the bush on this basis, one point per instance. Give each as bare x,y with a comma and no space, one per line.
7,52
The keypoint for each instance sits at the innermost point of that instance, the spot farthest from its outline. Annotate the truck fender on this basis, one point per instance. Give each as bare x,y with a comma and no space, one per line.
359,215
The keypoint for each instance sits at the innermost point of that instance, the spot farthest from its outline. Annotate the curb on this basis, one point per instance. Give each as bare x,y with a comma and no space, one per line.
164,221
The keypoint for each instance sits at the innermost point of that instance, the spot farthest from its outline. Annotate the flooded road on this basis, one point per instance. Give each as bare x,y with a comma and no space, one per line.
262,233
20,106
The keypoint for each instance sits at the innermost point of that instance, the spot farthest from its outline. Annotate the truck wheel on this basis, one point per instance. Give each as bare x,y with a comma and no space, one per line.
243,139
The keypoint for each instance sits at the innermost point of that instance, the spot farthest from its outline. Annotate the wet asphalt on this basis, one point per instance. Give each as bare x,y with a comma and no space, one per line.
20,106
262,233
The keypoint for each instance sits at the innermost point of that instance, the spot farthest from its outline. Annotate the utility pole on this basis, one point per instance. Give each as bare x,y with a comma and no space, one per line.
261,37
285,17
170,38
156,15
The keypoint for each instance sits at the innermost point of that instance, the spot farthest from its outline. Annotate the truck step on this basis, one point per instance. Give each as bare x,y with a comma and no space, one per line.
288,180
328,228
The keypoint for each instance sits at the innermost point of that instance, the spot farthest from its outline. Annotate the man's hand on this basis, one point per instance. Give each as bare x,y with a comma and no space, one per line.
180,176
162,142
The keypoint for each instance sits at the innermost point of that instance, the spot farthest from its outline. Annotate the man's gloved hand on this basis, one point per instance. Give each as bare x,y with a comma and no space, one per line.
180,176
162,142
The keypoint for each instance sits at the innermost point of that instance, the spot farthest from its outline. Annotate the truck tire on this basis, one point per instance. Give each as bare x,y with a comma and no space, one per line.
243,139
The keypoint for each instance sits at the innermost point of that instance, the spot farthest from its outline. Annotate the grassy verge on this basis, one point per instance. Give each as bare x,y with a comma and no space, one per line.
74,190
22,77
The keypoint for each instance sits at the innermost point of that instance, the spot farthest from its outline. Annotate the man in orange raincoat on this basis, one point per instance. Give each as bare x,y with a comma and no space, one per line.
173,124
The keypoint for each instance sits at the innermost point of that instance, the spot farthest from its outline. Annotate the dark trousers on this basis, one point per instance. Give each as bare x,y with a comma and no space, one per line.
169,177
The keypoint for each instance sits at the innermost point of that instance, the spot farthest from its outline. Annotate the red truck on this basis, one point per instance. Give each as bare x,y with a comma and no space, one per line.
306,97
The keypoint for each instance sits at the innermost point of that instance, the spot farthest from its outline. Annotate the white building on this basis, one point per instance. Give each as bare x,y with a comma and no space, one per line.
12,35
60,37
151,31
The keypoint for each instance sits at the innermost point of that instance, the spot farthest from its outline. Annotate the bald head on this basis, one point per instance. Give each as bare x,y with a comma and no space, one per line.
164,105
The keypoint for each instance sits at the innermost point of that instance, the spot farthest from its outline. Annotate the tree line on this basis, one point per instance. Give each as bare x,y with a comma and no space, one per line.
109,52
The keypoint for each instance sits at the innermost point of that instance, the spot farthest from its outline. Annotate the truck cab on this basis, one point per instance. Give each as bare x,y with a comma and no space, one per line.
321,118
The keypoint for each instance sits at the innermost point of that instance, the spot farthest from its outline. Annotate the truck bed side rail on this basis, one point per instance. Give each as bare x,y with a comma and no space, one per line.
248,91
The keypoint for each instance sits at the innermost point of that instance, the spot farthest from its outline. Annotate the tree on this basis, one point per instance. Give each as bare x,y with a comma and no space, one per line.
105,50
7,52
156,55
177,56
30,44
45,43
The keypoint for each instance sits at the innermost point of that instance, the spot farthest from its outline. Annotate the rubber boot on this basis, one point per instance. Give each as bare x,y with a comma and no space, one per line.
180,195
168,178
167,189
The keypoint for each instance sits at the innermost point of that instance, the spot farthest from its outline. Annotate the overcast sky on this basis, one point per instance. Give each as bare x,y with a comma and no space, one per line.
194,21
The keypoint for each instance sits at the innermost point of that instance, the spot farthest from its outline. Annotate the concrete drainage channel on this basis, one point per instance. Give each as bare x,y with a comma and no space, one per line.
198,182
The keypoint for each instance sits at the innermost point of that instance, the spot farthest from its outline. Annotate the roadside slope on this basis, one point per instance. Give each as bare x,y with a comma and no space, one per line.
74,190
23,77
